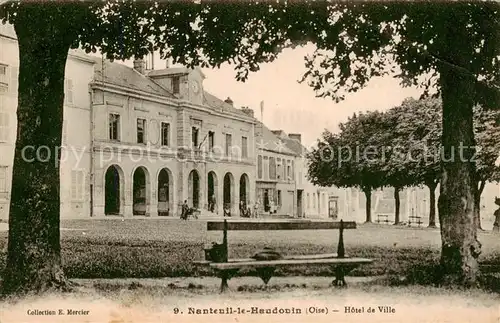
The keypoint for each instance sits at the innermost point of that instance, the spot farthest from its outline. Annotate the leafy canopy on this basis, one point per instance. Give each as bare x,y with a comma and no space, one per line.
353,158
355,40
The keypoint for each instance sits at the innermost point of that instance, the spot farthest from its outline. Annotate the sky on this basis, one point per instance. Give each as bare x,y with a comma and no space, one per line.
291,106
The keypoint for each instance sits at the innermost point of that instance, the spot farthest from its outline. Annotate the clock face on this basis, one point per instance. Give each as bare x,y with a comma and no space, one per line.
195,86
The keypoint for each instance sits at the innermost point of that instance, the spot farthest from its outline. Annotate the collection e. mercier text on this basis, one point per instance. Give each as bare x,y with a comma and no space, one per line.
75,312
285,310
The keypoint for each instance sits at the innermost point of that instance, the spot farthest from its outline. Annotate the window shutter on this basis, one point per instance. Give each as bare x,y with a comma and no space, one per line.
4,119
64,132
73,185
68,93
3,178
4,74
81,185
14,76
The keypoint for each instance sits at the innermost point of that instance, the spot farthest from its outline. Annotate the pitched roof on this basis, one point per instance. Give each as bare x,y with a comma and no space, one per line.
168,71
122,75
267,140
292,144
295,146
219,105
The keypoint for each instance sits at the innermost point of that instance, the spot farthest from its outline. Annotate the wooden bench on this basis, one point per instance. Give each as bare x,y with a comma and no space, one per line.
228,268
415,219
384,218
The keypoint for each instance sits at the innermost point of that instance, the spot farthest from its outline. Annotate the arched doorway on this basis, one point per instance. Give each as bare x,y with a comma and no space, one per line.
267,206
212,191
140,189
113,190
165,192
244,189
194,189
228,191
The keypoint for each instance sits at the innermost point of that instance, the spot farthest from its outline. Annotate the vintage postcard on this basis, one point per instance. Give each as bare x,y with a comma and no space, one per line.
249,161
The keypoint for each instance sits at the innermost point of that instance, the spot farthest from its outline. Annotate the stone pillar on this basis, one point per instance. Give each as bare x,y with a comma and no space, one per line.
236,197
219,198
98,193
180,188
203,186
152,208
127,210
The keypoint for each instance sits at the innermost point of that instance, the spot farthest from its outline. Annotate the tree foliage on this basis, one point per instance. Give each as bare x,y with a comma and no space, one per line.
354,157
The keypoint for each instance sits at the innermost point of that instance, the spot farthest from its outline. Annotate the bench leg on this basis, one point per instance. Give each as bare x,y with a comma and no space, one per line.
265,273
339,280
225,275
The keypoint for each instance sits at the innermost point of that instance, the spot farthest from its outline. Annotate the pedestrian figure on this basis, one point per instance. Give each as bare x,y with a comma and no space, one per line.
242,209
496,224
256,209
211,206
227,210
185,210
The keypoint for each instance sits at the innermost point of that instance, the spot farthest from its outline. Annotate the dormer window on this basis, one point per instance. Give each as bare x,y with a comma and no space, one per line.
176,83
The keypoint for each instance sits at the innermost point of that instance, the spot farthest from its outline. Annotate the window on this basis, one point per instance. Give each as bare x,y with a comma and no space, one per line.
259,166
308,201
194,137
211,140
165,134
244,147
4,120
4,78
176,83
279,198
68,91
314,200
77,185
114,126
266,167
3,179
229,143
289,172
272,168
65,132
141,131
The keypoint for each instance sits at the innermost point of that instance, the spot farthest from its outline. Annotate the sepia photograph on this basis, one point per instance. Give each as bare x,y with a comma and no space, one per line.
249,161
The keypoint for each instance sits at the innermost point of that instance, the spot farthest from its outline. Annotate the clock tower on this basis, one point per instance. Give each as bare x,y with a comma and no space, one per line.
195,86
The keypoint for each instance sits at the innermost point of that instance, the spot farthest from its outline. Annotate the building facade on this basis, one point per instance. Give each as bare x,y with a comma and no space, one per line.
136,141
275,179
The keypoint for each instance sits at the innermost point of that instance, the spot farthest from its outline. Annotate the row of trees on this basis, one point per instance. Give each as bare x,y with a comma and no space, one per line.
402,148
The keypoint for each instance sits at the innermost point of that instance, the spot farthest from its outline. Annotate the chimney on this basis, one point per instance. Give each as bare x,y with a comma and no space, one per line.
140,65
278,133
247,111
295,136
168,62
229,101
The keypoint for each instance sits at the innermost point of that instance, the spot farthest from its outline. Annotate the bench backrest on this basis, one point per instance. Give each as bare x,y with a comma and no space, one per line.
295,225
279,225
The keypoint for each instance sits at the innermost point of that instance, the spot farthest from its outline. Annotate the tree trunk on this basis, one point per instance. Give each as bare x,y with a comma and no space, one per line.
432,204
368,204
34,250
398,205
460,247
477,204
